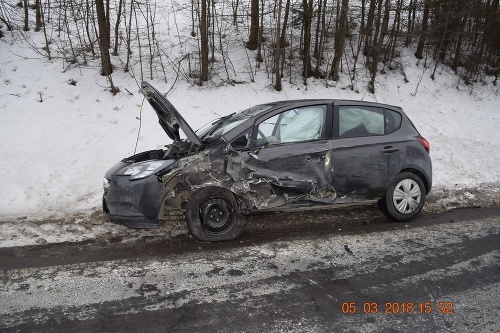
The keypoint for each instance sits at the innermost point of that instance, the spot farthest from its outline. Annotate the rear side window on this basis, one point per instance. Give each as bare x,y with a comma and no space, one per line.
357,121
392,121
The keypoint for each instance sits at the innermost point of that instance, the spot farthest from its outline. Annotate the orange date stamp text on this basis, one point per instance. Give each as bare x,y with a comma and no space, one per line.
445,308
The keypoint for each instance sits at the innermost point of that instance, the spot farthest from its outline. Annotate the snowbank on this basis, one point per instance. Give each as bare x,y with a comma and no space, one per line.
57,139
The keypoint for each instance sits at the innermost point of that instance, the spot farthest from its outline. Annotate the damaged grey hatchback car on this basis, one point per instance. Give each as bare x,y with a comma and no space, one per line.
278,156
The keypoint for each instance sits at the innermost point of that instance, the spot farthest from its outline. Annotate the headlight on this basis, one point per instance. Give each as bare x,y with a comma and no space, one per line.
105,184
144,169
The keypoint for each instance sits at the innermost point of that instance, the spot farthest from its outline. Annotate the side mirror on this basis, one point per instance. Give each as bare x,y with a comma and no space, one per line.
229,149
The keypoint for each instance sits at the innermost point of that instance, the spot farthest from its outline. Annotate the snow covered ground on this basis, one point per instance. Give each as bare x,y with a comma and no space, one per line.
58,139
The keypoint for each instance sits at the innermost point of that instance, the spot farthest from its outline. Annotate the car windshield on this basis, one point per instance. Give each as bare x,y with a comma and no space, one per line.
215,129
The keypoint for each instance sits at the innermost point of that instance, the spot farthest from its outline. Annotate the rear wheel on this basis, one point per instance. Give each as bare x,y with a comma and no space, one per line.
404,198
212,214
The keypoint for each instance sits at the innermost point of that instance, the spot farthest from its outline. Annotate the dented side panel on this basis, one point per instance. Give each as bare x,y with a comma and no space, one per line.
272,177
290,173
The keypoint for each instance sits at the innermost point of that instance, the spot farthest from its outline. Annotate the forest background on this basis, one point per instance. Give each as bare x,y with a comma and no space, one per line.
291,40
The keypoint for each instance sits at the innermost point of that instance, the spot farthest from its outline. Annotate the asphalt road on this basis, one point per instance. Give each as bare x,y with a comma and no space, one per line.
439,273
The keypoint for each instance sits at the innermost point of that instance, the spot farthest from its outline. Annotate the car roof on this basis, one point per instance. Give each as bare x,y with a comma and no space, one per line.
279,104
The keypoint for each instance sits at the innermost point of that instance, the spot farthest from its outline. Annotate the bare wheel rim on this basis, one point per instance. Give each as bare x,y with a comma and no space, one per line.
406,197
216,215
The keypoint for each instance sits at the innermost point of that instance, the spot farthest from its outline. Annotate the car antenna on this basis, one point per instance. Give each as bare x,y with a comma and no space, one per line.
140,124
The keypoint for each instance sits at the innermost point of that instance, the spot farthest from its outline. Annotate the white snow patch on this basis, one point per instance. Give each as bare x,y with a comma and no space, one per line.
57,140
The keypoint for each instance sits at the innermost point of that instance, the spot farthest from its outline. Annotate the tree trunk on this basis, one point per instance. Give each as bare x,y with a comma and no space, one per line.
285,23
377,41
363,13
235,12
204,41
108,25
423,33
117,26
318,25
88,16
38,15
411,21
259,48
106,68
212,45
129,31
458,49
26,15
369,30
283,32
306,51
340,41
253,39
389,55
277,53
193,31
47,46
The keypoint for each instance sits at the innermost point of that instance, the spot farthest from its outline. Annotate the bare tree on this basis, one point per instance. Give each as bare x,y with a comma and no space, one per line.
117,26
307,8
277,54
412,8
38,15
282,43
318,25
460,39
369,31
26,15
253,39
340,41
204,41
259,49
106,68
423,33
47,46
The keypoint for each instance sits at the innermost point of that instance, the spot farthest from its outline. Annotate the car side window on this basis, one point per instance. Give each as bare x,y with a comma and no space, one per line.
355,121
392,121
299,124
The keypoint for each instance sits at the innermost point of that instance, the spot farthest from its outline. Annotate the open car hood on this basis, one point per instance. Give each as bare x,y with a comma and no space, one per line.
168,116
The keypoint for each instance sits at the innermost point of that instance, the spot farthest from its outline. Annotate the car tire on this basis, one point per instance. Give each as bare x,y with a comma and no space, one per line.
212,215
404,198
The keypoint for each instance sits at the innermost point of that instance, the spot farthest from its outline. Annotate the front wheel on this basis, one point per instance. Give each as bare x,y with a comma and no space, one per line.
212,214
404,198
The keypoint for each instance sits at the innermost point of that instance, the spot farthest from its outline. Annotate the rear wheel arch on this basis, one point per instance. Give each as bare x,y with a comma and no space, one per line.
420,175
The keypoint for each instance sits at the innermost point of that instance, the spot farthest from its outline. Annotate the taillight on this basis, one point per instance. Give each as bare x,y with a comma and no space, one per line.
424,143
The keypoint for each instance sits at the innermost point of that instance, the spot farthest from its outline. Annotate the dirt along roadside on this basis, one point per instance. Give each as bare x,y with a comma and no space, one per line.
94,226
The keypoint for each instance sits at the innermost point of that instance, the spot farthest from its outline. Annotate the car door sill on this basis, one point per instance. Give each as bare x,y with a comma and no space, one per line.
313,206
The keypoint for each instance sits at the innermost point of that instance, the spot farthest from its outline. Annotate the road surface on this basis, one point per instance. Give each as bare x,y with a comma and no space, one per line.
438,273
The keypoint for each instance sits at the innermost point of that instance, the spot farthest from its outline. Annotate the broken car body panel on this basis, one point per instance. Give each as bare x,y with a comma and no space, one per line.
255,155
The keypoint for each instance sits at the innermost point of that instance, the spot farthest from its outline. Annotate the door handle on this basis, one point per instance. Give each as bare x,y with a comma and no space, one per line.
389,150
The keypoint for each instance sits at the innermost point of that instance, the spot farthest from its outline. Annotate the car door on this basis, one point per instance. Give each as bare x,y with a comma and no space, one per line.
364,156
289,157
